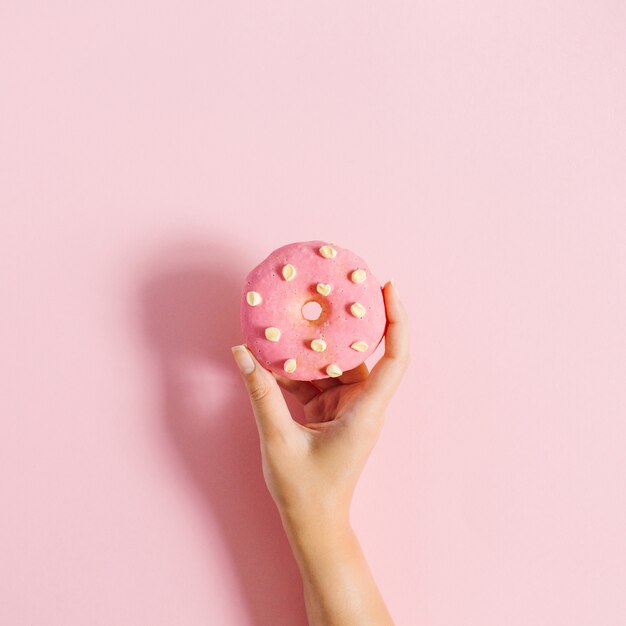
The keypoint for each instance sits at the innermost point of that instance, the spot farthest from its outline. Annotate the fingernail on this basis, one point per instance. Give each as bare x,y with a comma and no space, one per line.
393,284
243,359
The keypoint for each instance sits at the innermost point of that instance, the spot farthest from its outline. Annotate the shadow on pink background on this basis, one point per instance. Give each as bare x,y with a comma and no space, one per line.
191,316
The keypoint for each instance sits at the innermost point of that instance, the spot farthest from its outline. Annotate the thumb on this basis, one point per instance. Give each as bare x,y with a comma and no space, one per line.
268,404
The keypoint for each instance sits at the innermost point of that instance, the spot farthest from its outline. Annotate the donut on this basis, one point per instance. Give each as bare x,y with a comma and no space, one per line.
312,310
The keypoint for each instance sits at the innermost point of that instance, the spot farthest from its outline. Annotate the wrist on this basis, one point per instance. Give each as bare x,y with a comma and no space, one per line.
320,514
309,526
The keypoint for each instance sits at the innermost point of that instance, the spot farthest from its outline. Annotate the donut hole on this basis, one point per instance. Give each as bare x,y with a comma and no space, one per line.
311,310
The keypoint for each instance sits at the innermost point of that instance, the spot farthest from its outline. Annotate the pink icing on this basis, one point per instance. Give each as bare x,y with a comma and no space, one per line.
282,304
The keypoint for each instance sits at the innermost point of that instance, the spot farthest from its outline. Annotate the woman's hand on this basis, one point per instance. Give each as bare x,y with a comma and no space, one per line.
313,468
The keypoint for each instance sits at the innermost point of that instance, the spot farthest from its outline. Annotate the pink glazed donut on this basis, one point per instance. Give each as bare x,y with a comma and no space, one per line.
348,325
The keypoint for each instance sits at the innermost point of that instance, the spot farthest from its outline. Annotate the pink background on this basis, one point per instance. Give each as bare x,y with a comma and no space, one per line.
152,152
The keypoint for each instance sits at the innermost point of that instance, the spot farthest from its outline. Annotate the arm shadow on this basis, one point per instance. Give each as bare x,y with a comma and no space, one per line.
189,302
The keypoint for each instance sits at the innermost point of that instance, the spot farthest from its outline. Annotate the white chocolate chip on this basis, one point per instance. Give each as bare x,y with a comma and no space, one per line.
358,276
333,370
289,365
323,289
319,345
357,309
328,252
359,346
289,272
253,298
272,334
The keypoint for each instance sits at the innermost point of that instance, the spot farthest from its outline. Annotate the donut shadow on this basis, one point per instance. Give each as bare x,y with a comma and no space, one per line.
189,299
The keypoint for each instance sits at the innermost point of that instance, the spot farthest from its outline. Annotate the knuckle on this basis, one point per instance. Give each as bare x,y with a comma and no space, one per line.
373,420
401,360
259,391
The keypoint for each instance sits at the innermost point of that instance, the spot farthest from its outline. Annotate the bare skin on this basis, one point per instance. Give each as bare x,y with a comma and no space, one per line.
311,470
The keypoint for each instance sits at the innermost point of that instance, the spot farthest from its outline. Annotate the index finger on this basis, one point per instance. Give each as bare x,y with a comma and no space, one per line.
388,372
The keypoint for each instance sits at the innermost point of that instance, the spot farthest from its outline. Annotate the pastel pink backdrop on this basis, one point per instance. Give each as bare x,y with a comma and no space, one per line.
152,152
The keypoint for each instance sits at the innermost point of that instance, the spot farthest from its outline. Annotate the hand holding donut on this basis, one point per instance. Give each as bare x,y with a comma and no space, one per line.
314,467
311,470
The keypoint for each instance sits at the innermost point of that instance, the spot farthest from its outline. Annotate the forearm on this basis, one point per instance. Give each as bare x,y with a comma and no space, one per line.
339,589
